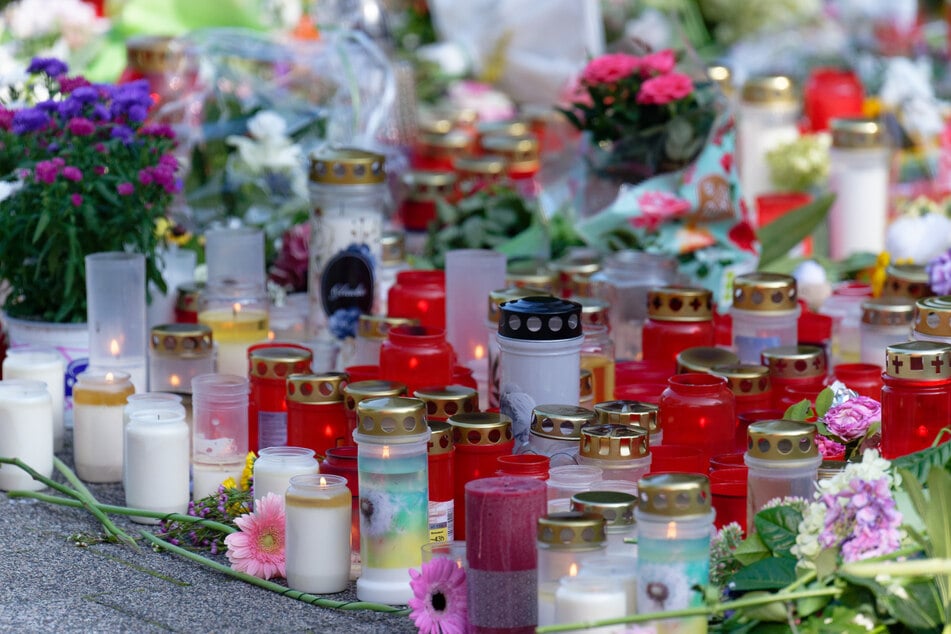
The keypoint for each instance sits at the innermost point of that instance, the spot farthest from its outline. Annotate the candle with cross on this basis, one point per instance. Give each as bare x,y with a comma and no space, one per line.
916,398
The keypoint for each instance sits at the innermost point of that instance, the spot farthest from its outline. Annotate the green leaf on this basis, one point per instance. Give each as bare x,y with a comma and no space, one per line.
918,464
446,213
939,528
750,550
771,573
778,527
800,411
913,602
41,225
811,605
823,402
781,235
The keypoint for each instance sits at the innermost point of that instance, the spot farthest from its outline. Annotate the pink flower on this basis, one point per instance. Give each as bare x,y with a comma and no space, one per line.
258,548
76,199
6,119
125,189
80,126
863,519
438,605
663,89
72,173
290,268
658,207
659,63
851,419
69,84
726,162
939,274
610,68
46,172
830,449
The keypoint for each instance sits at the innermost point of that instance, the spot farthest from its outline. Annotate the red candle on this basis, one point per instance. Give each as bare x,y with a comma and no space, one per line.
436,152
703,358
418,356
441,478
419,295
528,465
270,365
916,399
677,319
796,372
728,494
424,189
186,303
831,93
342,461
698,410
316,416
863,378
678,459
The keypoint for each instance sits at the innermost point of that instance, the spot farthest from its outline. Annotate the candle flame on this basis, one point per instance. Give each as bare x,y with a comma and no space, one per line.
386,451
323,481
236,308
479,352
114,348
573,570
270,335
110,377
671,530
174,380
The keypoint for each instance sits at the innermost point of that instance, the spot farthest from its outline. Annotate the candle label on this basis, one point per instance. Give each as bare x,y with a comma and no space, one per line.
667,573
441,521
394,518
272,429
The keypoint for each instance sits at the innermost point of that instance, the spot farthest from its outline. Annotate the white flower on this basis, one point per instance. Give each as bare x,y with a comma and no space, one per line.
663,587
269,147
377,512
920,239
7,189
74,19
807,540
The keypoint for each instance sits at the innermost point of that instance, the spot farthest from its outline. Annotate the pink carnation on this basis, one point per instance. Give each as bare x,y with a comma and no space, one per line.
851,419
610,68
663,89
659,63
658,207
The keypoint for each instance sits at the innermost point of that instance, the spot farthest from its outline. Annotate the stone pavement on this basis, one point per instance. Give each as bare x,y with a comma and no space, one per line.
48,583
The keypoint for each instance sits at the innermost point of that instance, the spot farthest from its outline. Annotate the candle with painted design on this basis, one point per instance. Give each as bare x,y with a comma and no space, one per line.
99,398
46,365
26,432
317,505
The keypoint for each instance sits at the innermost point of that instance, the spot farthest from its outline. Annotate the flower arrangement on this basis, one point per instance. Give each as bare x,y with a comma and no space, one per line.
85,174
847,424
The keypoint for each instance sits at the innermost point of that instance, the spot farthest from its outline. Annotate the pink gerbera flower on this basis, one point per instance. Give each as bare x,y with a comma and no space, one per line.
438,605
258,548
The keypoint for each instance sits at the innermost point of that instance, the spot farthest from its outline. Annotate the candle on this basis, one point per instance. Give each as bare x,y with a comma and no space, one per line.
235,330
619,569
317,530
98,401
441,480
783,461
156,462
177,354
767,117
633,414
46,365
147,402
275,467
556,432
621,452
565,540
492,351
563,482
316,416
589,598
26,432
270,365
220,430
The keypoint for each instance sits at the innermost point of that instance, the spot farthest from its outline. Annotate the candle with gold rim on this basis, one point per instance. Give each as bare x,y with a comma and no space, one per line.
235,329
317,545
99,398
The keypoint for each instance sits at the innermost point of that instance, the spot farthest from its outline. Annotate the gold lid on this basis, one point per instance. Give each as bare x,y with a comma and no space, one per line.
153,54
722,76
906,280
673,303
486,165
376,326
326,387
594,312
423,185
888,311
581,286
630,414
571,529
560,422
918,360
776,89
744,379
181,340
391,417
765,292
933,316
781,440
434,124
534,273
614,442
443,402
520,152
392,247
502,295
512,127
451,143
480,429
702,358
585,386
795,362
347,166
857,133
585,262
440,442
674,494
362,390
614,507
279,362
188,296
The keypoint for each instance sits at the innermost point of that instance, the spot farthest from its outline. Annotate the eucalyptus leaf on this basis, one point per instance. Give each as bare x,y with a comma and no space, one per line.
784,233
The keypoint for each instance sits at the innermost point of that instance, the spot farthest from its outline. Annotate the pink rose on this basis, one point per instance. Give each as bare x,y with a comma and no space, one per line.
658,207
830,449
610,68
851,419
659,63
663,89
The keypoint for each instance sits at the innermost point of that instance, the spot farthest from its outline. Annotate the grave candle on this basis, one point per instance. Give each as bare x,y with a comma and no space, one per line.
156,462
46,365
98,401
220,430
317,505
275,466
26,432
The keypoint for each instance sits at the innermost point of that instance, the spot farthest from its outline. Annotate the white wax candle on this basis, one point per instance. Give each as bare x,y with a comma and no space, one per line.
43,365
26,432
156,462
99,398
207,476
318,505
275,467
234,331
581,599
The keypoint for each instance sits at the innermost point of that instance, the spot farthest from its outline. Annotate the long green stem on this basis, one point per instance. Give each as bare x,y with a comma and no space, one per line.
270,585
85,495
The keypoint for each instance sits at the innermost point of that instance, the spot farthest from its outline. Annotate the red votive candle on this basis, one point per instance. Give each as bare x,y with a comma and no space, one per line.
796,372
418,356
831,93
698,410
423,190
441,478
916,399
419,295
316,416
360,373
270,365
678,459
342,461
527,465
863,378
728,489
677,319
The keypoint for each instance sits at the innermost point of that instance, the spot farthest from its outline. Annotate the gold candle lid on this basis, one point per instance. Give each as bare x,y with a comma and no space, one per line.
347,166
326,387
560,422
581,286
443,402
614,442
534,273
362,390
512,127
434,123
674,494
392,417
377,326
765,292
933,316
482,166
614,507
918,360
571,530
672,303
188,297
181,340
722,76
440,442
392,247
906,280
480,429
520,152
502,295
781,440
703,358
888,311
585,386
857,133
744,379
776,89
279,362
452,143
795,362
594,312
584,262
154,53
629,414
422,185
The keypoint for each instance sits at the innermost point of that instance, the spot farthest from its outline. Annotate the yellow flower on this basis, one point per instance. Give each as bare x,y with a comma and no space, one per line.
229,483
879,273
248,471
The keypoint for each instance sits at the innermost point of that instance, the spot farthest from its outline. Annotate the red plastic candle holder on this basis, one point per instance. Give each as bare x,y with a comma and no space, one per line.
864,378
419,295
698,410
417,356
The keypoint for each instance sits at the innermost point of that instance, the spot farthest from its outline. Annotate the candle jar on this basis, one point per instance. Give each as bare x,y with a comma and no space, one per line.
371,333
150,402
678,318
502,574
795,371
392,263
674,525
419,295
349,194
885,320
317,505
783,461
177,354
496,299
565,541
423,188
438,151
768,116
441,482
589,598
316,416
479,439
45,365
765,314
932,319
620,570
526,465
442,403
115,298
540,357
632,414
237,314
219,430
275,466
574,269
26,432
704,359
586,388
863,378
597,347
521,160
565,481
164,62
358,391
830,93
906,280
556,432
508,127
859,164
620,451
844,307
342,461
617,511
419,356
698,410
750,385
98,400
270,365
187,299
474,173
391,438
527,272
916,398
156,462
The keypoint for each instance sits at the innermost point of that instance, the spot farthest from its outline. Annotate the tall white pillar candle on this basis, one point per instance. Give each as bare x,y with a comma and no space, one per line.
26,432
46,365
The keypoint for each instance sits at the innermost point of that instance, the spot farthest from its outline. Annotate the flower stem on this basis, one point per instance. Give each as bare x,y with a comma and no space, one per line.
89,500
270,585
915,568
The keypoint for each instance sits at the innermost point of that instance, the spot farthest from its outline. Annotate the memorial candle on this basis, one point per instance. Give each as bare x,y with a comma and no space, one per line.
26,432
46,365
317,505
99,399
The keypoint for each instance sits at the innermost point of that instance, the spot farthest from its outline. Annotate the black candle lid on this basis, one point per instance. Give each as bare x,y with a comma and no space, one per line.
540,318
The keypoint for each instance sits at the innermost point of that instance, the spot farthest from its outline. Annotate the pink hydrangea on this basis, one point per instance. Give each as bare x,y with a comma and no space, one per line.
663,89
610,68
939,274
862,518
851,419
659,63
658,207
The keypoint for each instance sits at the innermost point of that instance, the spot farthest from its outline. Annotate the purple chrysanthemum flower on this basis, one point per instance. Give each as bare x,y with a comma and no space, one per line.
70,108
72,173
939,274
100,112
85,94
125,189
122,133
76,199
81,126
49,65
46,172
29,120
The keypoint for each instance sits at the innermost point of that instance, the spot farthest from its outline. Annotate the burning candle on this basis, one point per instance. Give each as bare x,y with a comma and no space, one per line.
177,354
26,432
317,505
565,541
99,398
235,329
316,416
589,598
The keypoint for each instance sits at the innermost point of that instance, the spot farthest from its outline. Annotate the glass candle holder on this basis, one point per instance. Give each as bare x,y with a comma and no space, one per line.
620,451
371,333
885,320
565,541
767,116
437,151
916,399
698,410
520,153
237,313
619,570
220,430
418,356
98,400
524,465
26,432
578,264
316,416
632,414
597,348
419,295
525,272
358,391
750,385
589,598
442,403
765,313
556,432
863,378
617,511
45,365
177,354
392,263
166,63
342,461
932,319
270,365
442,476
317,504
187,299
678,459
156,462
795,371
423,188
565,481
452,550
496,299
151,402
906,280
728,493
275,466
704,359
678,318
844,307
177,267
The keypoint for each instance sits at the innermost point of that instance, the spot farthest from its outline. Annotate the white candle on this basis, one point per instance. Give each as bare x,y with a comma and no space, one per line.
234,331
275,467
580,599
48,366
317,544
156,462
206,477
26,432
98,401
